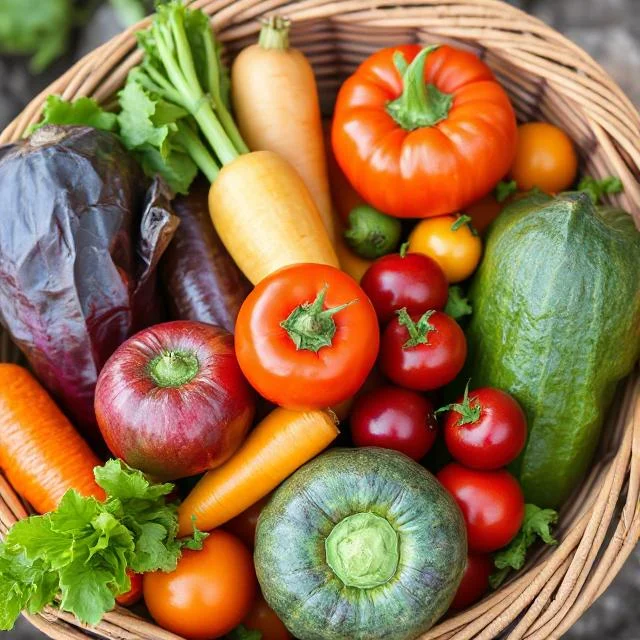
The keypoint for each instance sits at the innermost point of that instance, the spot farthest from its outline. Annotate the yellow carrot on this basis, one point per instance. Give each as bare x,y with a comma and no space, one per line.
276,104
266,217
279,445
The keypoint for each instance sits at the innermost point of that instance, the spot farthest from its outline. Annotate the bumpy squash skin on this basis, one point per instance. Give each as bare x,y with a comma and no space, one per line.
556,323
290,555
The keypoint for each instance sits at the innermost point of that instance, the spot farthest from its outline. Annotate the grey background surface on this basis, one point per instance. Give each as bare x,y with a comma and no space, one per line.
610,31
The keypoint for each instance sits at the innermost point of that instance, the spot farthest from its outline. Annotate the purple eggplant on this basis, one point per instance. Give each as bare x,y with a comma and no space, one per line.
80,240
202,281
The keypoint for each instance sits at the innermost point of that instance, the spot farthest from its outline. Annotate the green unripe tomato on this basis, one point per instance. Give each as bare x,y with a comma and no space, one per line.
372,234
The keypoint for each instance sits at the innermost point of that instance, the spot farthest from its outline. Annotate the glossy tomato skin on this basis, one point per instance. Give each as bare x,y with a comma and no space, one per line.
475,580
244,525
491,502
263,618
414,281
426,366
411,175
545,158
172,432
457,249
134,594
495,439
394,418
301,378
209,593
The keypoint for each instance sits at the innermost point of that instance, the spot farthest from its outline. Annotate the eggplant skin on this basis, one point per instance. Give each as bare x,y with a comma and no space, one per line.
80,238
290,556
202,281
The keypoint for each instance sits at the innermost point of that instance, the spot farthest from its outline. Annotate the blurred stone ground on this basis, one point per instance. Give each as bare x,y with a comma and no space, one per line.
610,31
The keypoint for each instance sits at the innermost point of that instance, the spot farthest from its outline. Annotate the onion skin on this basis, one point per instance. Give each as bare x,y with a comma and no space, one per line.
179,431
202,281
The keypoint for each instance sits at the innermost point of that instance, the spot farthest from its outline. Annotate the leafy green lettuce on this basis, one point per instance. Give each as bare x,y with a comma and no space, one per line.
536,524
83,549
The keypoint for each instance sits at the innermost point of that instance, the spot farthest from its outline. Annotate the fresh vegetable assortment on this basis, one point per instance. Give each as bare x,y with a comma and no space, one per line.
492,329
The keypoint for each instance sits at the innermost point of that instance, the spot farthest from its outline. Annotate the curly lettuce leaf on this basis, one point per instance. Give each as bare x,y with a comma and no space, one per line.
536,524
83,111
83,549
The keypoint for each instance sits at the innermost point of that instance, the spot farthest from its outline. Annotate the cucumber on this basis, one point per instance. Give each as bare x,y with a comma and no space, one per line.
556,323
360,544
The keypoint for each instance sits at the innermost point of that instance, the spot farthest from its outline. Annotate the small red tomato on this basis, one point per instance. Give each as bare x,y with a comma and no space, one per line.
485,429
411,280
244,525
129,598
475,580
394,418
262,618
422,352
491,502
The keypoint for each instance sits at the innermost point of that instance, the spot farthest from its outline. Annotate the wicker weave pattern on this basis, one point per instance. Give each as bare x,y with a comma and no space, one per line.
548,77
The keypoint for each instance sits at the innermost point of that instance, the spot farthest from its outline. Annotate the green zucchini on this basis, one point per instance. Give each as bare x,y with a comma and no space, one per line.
360,544
556,323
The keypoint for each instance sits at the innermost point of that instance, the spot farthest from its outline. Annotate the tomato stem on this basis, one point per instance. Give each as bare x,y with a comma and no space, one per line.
274,33
174,368
310,325
418,331
419,104
404,247
468,413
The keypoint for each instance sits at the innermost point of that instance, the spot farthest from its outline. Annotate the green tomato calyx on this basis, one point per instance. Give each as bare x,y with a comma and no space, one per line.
363,550
419,104
418,331
469,413
310,325
174,368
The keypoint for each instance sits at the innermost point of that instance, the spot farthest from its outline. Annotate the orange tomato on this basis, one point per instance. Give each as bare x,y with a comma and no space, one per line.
208,594
451,242
244,525
307,337
134,594
545,158
262,618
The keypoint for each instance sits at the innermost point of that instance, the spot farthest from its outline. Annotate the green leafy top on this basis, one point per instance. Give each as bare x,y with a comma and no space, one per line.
597,189
83,111
457,303
536,524
83,549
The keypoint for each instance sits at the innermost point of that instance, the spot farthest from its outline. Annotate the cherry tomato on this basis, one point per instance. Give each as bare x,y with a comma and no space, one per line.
307,336
262,618
422,352
545,158
134,594
413,280
209,593
244,525
394,418
485,429
475,580
451,242
491,502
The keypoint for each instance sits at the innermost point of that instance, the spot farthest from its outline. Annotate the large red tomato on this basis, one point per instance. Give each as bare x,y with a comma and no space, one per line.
423,132
307,336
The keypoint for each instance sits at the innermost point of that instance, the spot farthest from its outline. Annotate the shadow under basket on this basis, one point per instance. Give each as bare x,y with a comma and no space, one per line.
548,78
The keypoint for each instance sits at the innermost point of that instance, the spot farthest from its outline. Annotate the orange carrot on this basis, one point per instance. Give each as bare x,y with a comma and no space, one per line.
279,445
41,453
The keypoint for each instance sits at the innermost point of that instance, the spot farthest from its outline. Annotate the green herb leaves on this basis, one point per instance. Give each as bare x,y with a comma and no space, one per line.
457,303
85,111
597,189
84,548
536,524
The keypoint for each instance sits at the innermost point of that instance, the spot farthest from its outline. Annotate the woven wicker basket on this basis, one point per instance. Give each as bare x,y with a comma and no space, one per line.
549,78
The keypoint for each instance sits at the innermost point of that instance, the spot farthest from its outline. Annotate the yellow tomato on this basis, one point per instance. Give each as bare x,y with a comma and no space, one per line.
545,158
451,242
